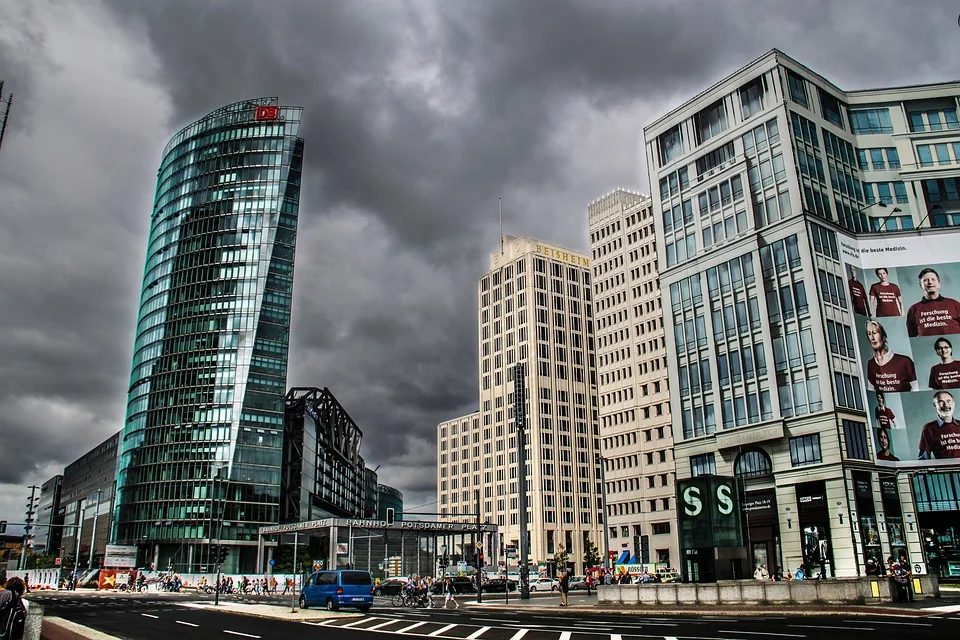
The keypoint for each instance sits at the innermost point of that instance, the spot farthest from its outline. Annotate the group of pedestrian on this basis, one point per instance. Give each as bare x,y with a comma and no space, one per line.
778,575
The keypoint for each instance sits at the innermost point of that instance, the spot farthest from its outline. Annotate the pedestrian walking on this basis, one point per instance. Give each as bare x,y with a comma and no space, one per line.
564,588
450,595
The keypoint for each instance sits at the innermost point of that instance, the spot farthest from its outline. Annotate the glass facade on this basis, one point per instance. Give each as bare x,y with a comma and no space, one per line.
210,359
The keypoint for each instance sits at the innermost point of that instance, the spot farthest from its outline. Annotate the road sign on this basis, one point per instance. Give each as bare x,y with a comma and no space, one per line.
479,545
272,562
57,562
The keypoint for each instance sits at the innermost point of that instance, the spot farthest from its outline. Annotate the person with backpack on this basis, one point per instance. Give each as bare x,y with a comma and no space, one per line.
13,610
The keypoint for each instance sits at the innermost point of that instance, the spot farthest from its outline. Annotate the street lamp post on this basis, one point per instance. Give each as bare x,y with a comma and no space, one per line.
602,462
93,534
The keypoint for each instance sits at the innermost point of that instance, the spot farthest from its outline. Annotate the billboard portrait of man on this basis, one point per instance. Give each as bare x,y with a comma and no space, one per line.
858,293
940,438
885,297
933,315
887,371
883,414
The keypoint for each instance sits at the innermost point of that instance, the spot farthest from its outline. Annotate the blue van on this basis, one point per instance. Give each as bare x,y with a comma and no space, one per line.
335,589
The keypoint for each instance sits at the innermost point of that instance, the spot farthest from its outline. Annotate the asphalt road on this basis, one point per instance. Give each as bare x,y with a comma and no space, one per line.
158,616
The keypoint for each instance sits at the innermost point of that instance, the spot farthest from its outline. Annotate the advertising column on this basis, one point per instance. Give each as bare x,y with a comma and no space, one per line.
906,325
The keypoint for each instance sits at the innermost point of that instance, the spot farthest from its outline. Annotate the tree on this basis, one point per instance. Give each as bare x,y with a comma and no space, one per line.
560,559
591,555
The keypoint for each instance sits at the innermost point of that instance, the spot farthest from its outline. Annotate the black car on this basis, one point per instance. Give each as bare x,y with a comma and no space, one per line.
461,584
499,585
389,588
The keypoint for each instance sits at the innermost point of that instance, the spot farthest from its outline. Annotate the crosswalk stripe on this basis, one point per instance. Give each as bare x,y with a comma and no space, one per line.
358,621
382,624
441,630
565,635
476,634
519,634
616,636
413,626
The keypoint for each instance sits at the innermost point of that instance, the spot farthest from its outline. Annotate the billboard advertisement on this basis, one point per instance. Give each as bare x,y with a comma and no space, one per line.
903,292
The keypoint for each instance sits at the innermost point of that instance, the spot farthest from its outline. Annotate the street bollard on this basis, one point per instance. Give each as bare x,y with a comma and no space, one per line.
31,628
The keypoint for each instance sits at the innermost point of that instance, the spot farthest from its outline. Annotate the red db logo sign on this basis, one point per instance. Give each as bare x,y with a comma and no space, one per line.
268,113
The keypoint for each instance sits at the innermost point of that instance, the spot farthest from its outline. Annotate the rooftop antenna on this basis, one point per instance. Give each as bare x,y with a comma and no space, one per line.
500,202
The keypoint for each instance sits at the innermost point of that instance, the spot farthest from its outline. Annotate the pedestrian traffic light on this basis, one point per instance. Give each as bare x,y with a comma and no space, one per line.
480,561
391,516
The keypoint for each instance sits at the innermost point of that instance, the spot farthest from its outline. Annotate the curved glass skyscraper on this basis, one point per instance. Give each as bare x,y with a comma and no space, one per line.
201,449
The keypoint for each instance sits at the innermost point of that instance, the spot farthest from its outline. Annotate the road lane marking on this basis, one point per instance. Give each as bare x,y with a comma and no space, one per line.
382,624
147,615
358,621
820,626
565,635
765,633
910,624
237,633
616,636
189,624
519,634
479,632
669,638
413,626
441,630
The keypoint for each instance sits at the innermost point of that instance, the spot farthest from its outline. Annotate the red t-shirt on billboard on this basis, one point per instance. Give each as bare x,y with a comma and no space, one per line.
886,295
888,457
894,376
933,317
945,376
884,417
858,294
941,441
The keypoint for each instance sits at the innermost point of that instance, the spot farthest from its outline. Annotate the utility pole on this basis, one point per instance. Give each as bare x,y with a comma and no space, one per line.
76,552
520,416
606,528
31,511
6,111
479,550
93,535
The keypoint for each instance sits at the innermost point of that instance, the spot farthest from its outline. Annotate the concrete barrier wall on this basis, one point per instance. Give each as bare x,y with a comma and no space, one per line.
833,591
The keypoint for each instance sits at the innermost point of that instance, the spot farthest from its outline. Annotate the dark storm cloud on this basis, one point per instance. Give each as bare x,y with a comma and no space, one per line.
417,117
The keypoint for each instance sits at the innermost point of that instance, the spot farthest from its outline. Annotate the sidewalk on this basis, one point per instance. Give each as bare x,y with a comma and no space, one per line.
277,612
59,629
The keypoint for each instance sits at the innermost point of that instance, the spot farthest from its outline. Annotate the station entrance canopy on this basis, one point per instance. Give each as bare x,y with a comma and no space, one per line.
405,547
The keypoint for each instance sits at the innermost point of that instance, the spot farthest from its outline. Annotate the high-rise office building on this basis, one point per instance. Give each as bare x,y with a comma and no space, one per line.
50,513
636,428
87,498
764,183
535,308
204,424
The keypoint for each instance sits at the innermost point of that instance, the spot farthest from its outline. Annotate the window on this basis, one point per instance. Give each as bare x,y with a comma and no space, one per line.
925,155
703,465
855,435
661,528
711,121
751,97
805,450
870,121
933,120
752,463
671,145
714,159
831,108
798,88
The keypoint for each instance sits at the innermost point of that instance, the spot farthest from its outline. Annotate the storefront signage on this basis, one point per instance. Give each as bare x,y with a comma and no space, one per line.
563,256
757,505
118,556
750,435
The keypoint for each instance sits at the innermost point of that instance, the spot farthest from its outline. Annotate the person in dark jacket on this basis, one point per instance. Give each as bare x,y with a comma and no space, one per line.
11,604
564,588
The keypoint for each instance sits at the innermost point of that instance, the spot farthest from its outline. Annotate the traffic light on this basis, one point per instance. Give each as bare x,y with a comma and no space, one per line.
391,516
222,554
480,561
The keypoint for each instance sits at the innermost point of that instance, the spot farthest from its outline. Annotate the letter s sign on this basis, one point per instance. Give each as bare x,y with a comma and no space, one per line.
692,497
724,503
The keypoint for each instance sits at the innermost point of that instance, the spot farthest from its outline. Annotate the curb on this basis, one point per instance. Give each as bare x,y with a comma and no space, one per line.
59,629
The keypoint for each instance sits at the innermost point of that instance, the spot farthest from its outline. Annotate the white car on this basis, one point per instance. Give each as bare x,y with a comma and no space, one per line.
544,584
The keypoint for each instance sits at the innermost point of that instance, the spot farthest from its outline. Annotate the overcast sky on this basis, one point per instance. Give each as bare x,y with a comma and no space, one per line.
417,117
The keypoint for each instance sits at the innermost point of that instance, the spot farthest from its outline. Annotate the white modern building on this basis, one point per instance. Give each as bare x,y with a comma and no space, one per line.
534,308
636,429
755,179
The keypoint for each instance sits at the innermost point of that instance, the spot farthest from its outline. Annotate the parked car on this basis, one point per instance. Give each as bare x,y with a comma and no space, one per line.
335,589
544,584
668,575
461,584
390,587
577,582
499,585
